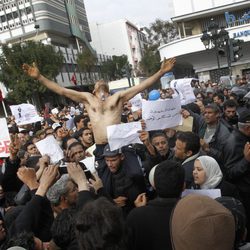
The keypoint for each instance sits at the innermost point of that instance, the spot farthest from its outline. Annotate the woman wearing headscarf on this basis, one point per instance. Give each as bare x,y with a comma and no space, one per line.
207,175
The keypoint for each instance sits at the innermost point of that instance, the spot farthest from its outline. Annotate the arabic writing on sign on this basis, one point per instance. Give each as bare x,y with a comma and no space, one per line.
161,114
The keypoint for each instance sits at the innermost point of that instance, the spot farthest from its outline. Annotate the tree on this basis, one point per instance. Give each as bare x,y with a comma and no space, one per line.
21,87
150,61
87,61
114,68
160,32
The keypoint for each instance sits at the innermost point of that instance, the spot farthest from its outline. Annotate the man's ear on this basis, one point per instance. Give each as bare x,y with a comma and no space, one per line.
189,153
122,156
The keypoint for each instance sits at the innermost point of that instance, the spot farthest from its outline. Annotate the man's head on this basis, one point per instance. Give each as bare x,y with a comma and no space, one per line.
201,106
159,140
63,194
186,145
130,117
60,132
101,89
31,148
168,179
218,99
244,123
200,222
100,225
23,137
113,158
86,136
229,109
76,152
79,121
211,114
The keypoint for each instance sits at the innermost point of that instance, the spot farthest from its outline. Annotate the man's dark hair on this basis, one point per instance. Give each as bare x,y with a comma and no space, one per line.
157,134
229,104
28,143
220,96
80,131
86,121
214,107
100,225
63,229
23,239
77,119
169,179
65,140
193,107
192,141
74,144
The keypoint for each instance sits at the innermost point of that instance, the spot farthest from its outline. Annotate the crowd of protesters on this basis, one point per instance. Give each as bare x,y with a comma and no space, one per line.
133,200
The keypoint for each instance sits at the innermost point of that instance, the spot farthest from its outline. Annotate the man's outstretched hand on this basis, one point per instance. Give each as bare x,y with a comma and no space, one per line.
31,71
167,65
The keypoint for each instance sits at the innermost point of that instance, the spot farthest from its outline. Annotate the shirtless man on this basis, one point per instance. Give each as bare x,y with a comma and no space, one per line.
103,109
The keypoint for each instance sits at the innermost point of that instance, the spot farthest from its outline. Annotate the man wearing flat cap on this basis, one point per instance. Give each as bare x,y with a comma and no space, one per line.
237,161
118,182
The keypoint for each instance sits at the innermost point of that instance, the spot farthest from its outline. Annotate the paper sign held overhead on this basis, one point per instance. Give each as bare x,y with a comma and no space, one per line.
123,134
184,89
136,102
25,114
49,146
161,114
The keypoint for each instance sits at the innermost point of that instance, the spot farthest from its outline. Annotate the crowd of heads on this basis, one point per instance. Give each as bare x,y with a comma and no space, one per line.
66,207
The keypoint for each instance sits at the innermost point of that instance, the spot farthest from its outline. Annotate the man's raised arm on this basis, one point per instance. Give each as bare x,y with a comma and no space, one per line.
166,66
34,72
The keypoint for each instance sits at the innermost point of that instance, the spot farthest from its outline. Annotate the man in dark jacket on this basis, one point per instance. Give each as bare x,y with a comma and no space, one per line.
121,183
212,131
237,161
157,149
187,149
229,117
149,225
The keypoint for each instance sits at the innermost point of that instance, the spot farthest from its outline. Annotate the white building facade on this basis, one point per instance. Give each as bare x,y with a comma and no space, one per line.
62,23
118,38
192,19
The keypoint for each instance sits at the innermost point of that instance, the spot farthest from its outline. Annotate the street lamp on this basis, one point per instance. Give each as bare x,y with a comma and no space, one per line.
215,37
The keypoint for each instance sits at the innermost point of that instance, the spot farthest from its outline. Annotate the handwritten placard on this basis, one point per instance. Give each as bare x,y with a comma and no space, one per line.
161,114
4,138
25,113
136,102
184,89
49,146
123,134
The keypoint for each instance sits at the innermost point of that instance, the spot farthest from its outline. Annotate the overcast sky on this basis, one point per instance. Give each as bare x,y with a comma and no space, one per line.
141,12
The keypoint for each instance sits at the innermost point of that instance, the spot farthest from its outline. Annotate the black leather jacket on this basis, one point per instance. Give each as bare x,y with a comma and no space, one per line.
237,168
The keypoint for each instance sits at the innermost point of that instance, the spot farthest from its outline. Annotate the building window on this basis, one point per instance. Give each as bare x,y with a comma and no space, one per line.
28,10
9,16
3,19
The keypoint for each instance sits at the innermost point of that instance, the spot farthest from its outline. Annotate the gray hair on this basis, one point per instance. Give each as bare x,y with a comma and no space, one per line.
58,189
